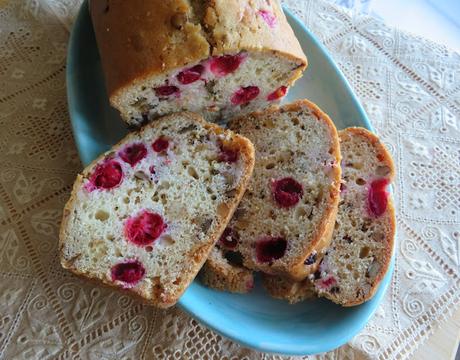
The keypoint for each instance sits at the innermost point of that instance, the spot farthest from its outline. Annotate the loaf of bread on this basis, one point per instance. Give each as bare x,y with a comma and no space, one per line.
145,215
362,244
219,58
285,221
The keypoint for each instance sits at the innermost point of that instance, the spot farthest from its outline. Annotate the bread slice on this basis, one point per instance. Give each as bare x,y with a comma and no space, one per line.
145,215
223,271
362,245
287,215
219,58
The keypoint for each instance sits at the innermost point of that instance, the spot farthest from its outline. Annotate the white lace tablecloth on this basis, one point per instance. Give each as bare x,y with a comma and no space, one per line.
411,90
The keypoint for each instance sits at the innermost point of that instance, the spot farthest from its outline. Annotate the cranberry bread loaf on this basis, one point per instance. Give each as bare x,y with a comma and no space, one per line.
223,271
215,57
145,215
287,214
362,244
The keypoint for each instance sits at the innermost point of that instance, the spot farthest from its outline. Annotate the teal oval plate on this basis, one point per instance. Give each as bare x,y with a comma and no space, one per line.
254,320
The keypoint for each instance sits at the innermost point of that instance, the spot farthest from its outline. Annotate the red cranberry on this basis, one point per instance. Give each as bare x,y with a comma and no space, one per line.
191,75
161,144
144,228
287,192
133,153
224,65
129,272
278,93
269,17
327,283
228,155
245,95
152,170
166,90
378,197
270,248
229,239
107,175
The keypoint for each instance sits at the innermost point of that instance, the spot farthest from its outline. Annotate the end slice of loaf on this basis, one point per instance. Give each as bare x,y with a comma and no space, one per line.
362,244
144,216
285,221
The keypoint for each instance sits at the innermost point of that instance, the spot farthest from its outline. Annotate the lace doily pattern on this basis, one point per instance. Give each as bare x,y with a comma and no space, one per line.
410,88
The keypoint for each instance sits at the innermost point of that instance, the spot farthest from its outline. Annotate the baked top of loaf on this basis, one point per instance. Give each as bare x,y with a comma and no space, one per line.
139,39
223,271
288,212
145,215
362,244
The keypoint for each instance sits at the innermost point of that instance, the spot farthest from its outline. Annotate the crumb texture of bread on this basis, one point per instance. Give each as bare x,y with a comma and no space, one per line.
288,211
144,216
362,244
222,271
220,58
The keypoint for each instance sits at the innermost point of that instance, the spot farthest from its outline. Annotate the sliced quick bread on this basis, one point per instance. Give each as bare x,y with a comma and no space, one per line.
287,215
144,216
362,244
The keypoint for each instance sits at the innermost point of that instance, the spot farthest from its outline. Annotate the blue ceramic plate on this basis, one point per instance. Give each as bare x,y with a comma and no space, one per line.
254,320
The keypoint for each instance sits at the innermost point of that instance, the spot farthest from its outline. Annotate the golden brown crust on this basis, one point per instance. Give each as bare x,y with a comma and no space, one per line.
247,151
323,234
139,39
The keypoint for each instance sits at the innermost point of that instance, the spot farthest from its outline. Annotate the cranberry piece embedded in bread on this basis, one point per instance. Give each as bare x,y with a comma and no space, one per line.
145,228
245,95
269,17
129,272
191,75
326,283
228,155
277,94
107,175
224,65
166,90
133,153
378,197
287,192
161,144
270,248
229,239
